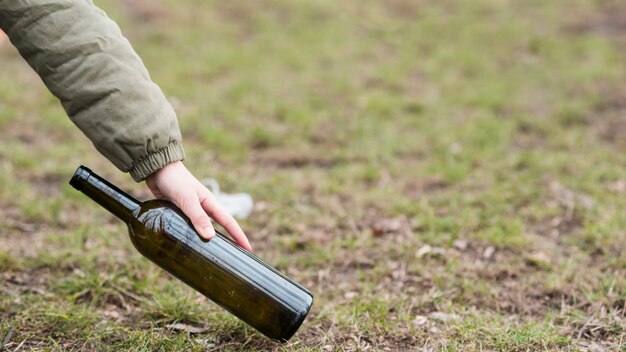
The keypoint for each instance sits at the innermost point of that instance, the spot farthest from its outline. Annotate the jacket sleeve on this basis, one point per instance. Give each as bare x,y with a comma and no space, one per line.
85,61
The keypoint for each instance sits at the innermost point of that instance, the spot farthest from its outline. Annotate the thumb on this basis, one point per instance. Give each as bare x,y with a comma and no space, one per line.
199,218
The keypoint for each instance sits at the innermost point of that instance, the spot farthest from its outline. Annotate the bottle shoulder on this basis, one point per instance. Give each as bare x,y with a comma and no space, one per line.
157,210
155,218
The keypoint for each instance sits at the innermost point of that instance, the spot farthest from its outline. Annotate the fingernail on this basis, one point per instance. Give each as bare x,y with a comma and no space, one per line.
209,232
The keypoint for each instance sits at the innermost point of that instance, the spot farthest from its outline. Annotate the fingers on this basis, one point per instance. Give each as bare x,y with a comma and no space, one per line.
219,214
199,218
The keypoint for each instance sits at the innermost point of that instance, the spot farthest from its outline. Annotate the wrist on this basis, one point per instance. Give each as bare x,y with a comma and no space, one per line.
157,161
167,169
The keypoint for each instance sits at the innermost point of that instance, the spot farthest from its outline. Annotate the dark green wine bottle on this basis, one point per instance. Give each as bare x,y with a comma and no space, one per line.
230,276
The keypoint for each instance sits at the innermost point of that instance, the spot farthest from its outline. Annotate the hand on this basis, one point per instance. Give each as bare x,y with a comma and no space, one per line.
176,184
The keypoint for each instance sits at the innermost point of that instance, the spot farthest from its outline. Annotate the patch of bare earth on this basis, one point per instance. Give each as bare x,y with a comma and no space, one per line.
146,11
26,236
285,159
22,236
15,283
608,120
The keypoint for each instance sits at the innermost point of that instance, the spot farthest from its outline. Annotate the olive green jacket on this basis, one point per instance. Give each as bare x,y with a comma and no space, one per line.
85,61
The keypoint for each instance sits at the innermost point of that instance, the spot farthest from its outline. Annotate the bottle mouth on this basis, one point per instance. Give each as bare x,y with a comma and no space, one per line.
81,175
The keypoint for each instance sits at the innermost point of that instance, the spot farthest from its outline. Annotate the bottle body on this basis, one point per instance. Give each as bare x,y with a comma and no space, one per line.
230,276
233,278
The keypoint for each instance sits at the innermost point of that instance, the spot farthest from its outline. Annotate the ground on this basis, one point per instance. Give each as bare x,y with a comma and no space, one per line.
442,175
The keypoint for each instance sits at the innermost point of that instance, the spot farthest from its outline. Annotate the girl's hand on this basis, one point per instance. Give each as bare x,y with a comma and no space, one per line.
176,184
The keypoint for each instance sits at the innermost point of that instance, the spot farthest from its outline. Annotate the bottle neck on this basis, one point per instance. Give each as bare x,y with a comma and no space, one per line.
104,193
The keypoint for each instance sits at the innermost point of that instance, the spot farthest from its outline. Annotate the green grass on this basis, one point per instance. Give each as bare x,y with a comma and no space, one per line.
365,131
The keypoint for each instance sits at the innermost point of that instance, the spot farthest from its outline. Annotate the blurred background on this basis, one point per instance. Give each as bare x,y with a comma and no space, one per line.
440,174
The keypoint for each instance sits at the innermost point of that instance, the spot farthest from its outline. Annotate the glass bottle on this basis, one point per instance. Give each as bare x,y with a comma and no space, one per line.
230,276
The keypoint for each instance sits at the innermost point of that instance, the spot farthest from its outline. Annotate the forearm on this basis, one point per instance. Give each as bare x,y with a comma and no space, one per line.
84,60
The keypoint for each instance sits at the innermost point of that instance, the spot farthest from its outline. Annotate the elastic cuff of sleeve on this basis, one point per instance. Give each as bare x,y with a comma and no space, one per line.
150,163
